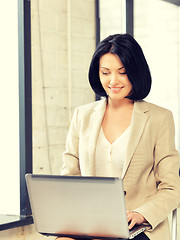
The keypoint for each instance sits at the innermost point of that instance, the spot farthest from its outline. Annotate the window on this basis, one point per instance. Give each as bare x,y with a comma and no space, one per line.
16,133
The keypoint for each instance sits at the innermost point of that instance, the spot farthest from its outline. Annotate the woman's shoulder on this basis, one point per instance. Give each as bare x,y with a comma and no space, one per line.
93,106
157,112
154,107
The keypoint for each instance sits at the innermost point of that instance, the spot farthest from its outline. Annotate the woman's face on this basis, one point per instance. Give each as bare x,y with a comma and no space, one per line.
113,77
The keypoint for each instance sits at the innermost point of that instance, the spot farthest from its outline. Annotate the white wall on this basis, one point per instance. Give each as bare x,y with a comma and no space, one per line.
63,40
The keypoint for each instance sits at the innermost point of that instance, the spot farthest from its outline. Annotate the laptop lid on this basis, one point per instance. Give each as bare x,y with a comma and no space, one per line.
89,207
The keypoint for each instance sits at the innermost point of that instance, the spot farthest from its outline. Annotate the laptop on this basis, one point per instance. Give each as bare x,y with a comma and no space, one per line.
79,207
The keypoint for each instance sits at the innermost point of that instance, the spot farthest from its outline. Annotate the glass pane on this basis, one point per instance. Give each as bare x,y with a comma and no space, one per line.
112,17
156,28
9,105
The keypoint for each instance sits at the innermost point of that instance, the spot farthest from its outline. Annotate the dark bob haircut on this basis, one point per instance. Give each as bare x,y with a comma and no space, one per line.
132,58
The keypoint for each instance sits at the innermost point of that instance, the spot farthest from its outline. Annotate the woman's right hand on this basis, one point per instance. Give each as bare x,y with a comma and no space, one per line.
135,218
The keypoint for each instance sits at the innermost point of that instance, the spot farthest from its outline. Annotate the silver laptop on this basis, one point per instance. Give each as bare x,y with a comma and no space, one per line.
79,207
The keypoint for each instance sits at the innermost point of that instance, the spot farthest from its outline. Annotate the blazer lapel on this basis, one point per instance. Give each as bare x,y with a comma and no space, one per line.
94,128
139,120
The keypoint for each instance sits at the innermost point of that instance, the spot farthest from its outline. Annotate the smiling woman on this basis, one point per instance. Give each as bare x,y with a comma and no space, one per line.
146,159
128,55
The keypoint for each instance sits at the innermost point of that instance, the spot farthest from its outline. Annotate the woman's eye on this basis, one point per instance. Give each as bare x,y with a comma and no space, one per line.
104,73
123,73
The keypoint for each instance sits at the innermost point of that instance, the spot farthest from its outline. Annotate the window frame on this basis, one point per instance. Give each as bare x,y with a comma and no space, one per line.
176,2
25,101
25,116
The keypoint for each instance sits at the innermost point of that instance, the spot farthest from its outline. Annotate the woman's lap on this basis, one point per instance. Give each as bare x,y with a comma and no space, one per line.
141,236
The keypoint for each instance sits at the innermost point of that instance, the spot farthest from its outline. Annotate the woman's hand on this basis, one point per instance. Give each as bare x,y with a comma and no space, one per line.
135,218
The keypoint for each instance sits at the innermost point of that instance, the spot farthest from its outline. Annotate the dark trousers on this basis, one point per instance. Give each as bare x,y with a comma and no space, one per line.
141,236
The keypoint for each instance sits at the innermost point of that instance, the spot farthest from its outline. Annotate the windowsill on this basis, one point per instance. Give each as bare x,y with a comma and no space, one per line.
10,221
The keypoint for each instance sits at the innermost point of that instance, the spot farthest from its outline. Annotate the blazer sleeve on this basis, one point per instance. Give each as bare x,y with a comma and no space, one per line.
166,172
71,154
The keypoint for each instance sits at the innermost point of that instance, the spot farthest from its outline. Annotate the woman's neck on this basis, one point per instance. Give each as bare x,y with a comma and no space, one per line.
117,104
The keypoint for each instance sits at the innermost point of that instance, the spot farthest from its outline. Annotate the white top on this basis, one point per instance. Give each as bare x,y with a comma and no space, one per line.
110,158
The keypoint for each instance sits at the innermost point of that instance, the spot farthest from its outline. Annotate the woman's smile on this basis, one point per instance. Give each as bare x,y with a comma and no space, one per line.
115,89
113,77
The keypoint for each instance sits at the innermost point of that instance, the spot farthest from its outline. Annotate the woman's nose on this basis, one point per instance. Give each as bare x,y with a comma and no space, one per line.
114,79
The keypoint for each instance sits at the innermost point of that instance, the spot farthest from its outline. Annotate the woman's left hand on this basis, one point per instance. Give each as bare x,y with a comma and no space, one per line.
135,218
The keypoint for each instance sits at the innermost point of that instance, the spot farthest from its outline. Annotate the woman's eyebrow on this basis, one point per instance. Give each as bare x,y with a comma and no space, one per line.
109,69
105,68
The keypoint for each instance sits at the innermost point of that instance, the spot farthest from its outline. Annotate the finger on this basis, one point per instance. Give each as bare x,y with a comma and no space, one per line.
139,218
129,216
132,223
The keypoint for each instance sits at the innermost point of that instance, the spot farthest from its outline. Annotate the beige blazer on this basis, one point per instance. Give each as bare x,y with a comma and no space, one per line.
151,171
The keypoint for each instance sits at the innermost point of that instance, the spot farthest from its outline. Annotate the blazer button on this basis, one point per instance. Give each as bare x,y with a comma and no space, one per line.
124,193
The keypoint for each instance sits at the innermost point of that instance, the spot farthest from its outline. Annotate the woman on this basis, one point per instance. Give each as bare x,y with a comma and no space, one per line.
124,136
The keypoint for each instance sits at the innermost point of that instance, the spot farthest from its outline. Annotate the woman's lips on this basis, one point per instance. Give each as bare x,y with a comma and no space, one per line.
115,89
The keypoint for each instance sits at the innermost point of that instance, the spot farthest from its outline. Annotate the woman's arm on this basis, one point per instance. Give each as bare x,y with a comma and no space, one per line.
166,171
71,154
